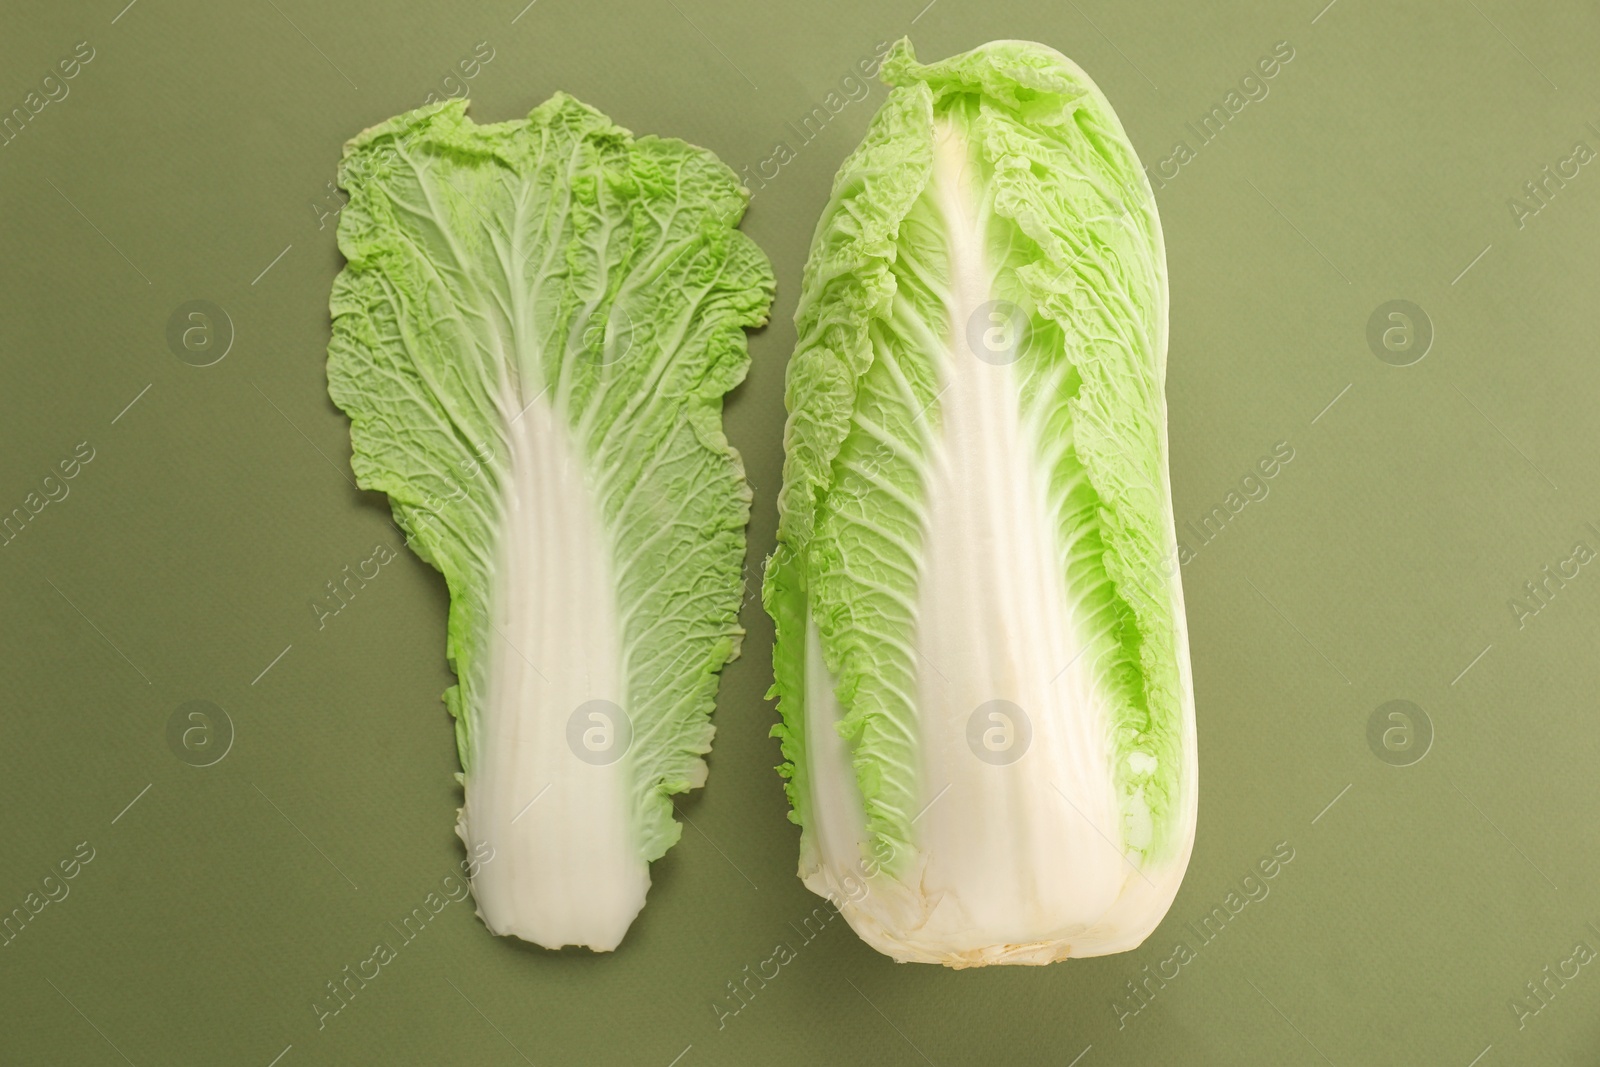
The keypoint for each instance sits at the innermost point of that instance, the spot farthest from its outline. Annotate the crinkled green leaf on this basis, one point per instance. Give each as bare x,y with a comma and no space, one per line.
557,270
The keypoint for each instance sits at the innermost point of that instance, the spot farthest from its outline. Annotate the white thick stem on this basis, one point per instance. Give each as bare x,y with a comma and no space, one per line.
566,867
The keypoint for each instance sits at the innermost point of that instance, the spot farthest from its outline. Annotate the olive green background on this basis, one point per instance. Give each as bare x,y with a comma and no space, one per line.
197,145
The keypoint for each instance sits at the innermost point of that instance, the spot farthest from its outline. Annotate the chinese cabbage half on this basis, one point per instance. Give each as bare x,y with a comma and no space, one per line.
532,338
981,662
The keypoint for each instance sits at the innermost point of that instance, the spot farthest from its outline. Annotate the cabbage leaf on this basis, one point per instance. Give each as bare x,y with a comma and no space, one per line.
532,338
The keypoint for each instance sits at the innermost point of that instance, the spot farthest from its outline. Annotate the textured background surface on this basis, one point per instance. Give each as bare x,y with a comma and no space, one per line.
191,161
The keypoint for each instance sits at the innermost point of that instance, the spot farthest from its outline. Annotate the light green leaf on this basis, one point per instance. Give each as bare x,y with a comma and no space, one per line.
532,338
